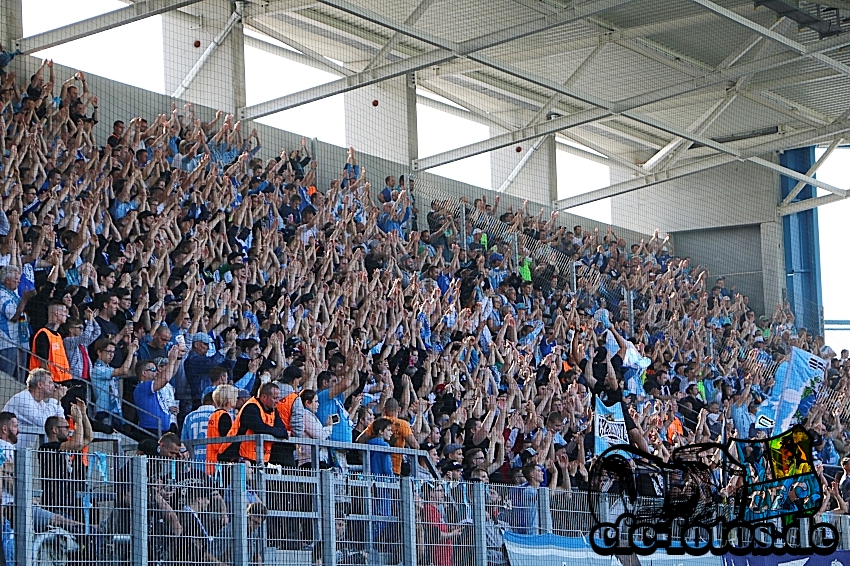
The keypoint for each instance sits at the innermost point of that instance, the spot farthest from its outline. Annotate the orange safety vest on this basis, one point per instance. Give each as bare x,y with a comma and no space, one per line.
59,367
213,450
248,448
284,408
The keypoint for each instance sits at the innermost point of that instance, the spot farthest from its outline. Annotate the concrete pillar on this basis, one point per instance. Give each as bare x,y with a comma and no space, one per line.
221,82
11,23
773,264
388,129
538,179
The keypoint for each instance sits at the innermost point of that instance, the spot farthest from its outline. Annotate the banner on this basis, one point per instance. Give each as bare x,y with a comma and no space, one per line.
798,382
609,426
555,550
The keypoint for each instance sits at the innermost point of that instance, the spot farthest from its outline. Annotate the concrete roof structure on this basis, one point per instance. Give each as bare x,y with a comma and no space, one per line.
656,89
653,86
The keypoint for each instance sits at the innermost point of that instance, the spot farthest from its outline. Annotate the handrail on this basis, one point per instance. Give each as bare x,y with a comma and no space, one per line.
90,403
263,438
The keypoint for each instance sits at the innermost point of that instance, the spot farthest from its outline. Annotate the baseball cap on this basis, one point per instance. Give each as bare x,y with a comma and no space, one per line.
202,337
243,394
451,448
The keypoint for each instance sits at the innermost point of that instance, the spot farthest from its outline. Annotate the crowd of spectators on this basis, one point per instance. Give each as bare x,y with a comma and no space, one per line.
185,288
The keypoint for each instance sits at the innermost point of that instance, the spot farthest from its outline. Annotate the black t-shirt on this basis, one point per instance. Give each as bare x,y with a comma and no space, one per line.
62,478
607,395
468,445
600,372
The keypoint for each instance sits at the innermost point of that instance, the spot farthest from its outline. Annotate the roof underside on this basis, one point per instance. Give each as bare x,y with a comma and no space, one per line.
618,58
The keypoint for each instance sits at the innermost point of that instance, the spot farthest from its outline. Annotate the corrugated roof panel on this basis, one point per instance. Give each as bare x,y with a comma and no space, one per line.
831,97
619,73
459,20
666,43
745,116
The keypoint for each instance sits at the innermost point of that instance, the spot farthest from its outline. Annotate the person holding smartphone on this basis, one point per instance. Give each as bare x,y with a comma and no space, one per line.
313,428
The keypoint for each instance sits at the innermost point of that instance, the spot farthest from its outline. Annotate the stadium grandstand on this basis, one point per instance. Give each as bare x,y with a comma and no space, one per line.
226,341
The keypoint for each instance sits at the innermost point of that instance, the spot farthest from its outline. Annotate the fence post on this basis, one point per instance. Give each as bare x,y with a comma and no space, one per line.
573,278
804,541
544,510
479,519
23,507
328,517
631,305
407,516
239,506
462,226
139,510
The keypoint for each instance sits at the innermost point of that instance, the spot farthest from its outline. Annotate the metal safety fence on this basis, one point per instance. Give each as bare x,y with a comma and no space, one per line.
107,509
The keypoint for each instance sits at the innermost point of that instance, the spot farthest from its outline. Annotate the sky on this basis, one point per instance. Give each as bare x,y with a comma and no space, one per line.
106,54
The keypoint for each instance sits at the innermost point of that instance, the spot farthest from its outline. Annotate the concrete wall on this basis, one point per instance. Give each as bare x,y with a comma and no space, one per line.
387,129
733,195
11,23
221,81
724,218
537,180
734,253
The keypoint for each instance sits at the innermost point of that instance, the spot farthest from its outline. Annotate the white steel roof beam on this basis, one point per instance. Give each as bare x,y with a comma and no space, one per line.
427,59
519,31
612,158
516,136
414,16
798,176
272,7
806,137
556,98
812,170
324,63
521,165
274,49
235,18
806,204
132,13
679,146
659,95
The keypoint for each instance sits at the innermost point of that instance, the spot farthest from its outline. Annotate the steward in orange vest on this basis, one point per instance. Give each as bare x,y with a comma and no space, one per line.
47,344
219,420
257,416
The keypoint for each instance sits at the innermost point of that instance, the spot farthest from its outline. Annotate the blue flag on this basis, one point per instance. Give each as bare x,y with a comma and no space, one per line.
798,382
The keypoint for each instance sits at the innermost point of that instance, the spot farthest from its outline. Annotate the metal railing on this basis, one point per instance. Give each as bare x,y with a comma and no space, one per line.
109,509
315,446
23,368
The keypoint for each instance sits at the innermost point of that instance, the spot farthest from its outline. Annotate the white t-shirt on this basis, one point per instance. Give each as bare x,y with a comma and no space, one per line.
7,461
32,413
